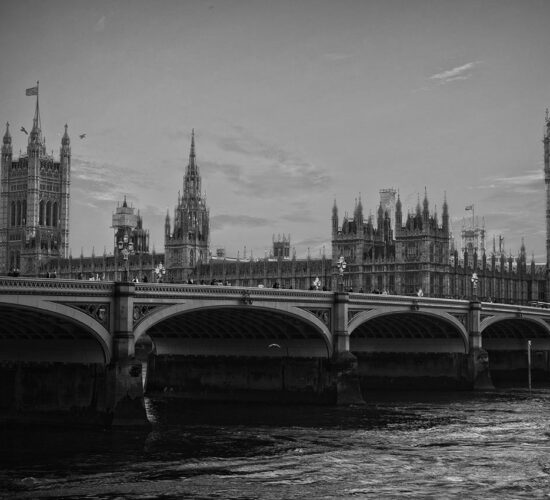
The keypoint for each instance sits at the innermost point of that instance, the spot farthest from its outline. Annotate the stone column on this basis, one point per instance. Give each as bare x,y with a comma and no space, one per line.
478,358
125,404
344,363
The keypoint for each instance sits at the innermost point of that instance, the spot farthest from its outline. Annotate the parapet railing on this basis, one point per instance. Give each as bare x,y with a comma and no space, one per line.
49,286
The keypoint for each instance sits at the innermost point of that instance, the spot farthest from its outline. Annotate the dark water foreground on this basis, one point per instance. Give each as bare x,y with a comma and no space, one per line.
460,445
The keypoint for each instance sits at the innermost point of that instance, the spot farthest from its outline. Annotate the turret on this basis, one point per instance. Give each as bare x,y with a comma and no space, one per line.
167,226
6,143
65,151
522,252
334,218
380,223
425,206
445,215
398,214
358,216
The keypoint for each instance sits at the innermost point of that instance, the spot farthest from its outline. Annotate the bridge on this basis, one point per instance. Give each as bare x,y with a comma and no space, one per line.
75,349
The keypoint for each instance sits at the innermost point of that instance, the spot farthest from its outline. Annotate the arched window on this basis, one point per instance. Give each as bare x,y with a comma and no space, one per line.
24,207
13,213
18,213
49,213
192,257
55,214
41,213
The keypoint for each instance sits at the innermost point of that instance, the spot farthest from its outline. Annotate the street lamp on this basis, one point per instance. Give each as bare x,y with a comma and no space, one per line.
125,248
475,281
160,271
341,268
317,283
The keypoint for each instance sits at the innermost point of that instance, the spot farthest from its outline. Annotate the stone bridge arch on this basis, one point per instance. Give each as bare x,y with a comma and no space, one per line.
39,330
237,330
405,330
509,332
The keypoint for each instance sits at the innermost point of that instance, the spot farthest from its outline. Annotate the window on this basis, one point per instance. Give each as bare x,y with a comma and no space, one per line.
55,214
49,213
41,213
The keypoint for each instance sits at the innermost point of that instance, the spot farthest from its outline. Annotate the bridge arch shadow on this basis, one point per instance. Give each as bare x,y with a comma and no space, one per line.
511,333
229,330
407,331
51,332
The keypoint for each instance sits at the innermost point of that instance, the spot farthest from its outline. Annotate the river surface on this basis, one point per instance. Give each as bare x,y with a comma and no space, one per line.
431,445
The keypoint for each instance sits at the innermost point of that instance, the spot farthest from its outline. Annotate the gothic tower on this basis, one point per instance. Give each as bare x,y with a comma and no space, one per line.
34,201
546,141
188,243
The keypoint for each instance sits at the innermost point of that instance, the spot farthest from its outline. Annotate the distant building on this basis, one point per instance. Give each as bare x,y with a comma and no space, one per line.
186,244
127,222
281,247
401,253
34,202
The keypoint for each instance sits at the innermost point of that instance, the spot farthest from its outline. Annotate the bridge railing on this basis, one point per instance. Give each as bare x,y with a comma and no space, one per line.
9,285
179,290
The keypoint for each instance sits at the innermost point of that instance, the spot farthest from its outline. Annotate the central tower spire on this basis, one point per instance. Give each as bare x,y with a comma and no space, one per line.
188,245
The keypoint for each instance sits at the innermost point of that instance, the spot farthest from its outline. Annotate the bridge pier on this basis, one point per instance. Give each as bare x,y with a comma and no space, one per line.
344,363
478,358
124,389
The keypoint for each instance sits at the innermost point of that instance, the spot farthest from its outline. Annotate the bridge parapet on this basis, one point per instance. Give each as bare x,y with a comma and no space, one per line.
228,292
37,286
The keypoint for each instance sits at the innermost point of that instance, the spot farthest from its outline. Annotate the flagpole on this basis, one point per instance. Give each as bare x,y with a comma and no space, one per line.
37,104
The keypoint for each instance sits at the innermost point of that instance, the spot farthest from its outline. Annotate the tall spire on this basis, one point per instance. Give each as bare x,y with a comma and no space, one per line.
192,179
35,135
192,165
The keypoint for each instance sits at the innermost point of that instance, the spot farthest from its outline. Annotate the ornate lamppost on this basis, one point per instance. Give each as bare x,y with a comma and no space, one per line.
342,264
317,283
160,271
475,281
125,248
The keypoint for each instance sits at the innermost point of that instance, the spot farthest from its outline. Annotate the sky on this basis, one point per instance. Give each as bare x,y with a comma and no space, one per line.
294,104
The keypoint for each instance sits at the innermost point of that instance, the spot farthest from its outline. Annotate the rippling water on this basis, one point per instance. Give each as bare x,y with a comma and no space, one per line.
491,445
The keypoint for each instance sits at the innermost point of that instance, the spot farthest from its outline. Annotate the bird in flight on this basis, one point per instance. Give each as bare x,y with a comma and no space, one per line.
24,130
82,136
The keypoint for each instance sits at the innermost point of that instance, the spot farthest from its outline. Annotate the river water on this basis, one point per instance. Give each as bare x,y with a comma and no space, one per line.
400,445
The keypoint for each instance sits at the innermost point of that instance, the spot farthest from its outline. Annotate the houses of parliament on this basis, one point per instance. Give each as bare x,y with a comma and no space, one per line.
397,252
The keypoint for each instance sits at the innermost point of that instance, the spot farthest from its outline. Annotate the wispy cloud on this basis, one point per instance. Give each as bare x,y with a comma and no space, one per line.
100,25
463,72
528,182
95,182
267,170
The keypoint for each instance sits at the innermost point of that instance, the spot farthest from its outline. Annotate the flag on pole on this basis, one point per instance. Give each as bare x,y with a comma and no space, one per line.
469,207
32,91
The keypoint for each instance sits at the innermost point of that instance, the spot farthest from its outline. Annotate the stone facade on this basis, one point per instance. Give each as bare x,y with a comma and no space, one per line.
396,253
34,202
186,244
